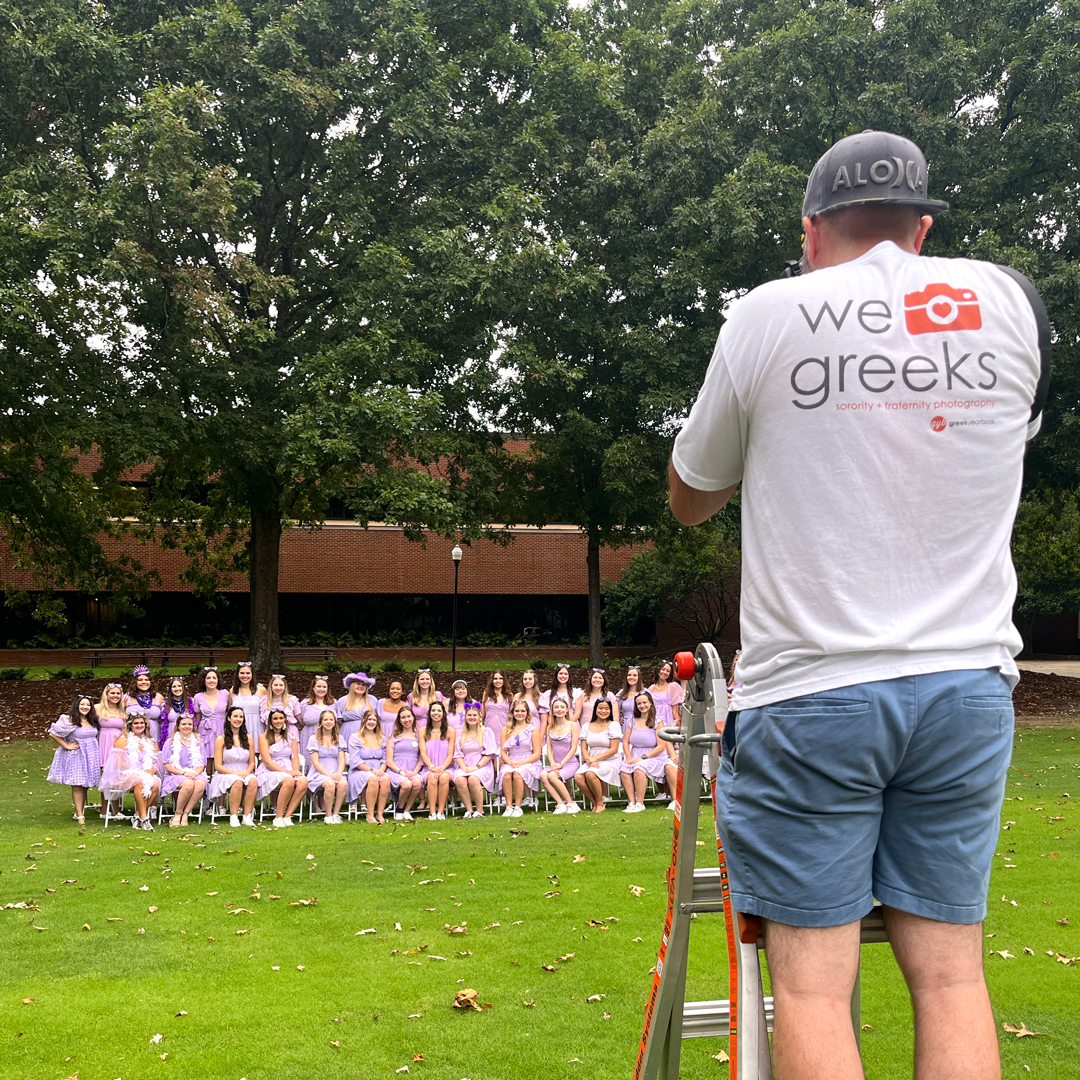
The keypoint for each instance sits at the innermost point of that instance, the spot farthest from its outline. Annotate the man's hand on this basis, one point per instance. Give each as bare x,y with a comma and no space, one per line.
690,506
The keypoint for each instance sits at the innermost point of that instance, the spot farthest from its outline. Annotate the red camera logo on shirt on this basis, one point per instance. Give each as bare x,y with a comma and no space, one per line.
941,307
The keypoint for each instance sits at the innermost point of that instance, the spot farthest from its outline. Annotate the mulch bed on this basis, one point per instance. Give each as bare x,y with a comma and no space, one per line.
28,708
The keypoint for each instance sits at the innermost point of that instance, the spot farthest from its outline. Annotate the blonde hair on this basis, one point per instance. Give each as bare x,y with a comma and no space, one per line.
355,696
532,695
113,711
414,693
335,736
376,730
511,720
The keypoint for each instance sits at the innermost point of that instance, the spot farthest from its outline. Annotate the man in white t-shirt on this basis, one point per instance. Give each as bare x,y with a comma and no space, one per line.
875,412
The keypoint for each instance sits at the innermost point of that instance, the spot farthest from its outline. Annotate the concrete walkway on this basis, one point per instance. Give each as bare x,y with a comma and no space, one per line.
1052,667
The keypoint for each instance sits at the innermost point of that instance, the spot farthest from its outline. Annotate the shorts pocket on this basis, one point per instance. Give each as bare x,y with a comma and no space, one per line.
818,706
988,701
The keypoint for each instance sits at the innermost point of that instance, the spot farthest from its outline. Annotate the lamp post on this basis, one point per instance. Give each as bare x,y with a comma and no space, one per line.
456,556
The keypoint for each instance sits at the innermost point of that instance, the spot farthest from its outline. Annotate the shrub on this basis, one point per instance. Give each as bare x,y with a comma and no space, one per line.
14,672
61,673
393,665
83,673
334,665
539,664
195,669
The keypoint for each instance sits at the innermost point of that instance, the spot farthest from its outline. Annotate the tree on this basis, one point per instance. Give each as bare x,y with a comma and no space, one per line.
689,576
301,217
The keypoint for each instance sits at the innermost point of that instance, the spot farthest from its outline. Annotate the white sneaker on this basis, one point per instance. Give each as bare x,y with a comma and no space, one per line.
249,819
328,819
560,808
120,816
408,816
508,812
517,812
136,823
573,808
279,823
234,822
288,822
399,817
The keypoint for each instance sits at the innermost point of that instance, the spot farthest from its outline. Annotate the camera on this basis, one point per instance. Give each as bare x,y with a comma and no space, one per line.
941,307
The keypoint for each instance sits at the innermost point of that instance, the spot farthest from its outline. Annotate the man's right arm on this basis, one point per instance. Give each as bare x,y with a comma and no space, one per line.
691,506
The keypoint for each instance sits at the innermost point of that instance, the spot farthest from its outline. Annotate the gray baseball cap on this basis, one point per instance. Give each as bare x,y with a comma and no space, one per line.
873,168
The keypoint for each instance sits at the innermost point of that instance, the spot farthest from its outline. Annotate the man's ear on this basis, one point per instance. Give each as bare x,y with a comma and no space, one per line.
924,227
812,243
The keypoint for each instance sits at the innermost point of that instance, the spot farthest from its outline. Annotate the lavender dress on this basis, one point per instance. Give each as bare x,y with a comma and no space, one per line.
212,722
456,720
665,716
387,719
471,752
232,757
76,768
111,728
496,714
170,714
269,779
598,742
189,757
437,750
560,747
371,756
253,720
328,759
421,711
626,709
569,697
642,740
290,706
309,725
406,757
153,714
518,747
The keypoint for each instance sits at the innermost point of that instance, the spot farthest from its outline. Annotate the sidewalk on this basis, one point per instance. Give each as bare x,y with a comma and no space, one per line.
1052,667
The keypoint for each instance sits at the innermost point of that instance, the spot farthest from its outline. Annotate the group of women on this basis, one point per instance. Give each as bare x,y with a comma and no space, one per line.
413,750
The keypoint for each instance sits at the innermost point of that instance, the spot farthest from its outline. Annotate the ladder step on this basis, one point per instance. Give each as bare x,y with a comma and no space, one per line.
709,896
712,1019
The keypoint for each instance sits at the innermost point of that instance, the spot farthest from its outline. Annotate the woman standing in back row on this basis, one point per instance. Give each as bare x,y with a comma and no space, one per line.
249,694
210,704
354,706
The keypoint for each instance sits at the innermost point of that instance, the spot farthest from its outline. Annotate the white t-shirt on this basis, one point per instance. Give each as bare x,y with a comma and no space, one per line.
879,440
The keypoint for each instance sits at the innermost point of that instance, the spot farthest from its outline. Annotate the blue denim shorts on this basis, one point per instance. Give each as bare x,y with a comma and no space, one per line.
888,789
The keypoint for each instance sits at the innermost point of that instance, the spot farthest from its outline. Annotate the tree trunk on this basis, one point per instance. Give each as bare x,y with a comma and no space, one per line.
264,550
596,635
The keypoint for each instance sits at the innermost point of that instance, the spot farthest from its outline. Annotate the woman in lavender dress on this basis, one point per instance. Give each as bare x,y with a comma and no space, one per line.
645,758
390,706
234,768
667,697
279,769
111,717
529,691
367,768
520,758
249,694
317,701
631,688
422,695
601,754
278,697
437,752
560,687
142,695
495,704
327,770
474,772
562,744
210,704
185,769
177,704
356,703
77,761
455,707
403,763
597,690
134,764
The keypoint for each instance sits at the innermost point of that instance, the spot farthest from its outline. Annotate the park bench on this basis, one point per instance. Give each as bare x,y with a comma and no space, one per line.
160,656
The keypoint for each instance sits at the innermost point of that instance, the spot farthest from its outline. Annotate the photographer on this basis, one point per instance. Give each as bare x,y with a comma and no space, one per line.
876,411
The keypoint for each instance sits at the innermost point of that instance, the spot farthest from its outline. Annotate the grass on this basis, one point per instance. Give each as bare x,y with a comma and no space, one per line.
101,994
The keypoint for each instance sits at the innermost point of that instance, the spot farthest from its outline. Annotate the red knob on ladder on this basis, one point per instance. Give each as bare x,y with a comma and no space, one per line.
685,665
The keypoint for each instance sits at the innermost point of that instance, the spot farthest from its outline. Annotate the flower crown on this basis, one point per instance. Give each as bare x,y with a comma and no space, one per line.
140,669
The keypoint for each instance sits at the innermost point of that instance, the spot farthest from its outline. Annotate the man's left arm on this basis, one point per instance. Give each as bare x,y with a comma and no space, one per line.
691,506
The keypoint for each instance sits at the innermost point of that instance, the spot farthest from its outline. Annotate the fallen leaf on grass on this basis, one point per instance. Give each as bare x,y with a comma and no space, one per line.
86,926
491,926
151,909
562,959
165,1055
572,1060
596,997
156,1038
300,967
1030,952
274,896
1068,961
28,1001
868,1027
360,933
242,911
414,1016
529,1003
418,1057
579,858
549,967
335,1042
637,890
554,892
433,957
1023,1031
310,902
241,933
182,1012
720,1056
308,856
1063,922
144,888
114,920
404,1068
466,999
39,927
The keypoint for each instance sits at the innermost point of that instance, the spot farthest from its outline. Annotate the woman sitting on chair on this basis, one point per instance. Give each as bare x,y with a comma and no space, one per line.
134,765
279,768
185,769
326,766
234,768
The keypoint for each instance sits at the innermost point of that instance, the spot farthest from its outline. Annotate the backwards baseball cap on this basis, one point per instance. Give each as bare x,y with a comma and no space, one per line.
873,168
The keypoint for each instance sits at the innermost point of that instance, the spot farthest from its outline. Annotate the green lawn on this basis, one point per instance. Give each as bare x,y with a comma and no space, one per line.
282,990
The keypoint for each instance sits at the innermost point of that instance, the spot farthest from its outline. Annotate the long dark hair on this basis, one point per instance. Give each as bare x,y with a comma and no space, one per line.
650,716
133,688
272,733
228,733
398,729
91,716
555,686
444,727
253,686
201,681
596,705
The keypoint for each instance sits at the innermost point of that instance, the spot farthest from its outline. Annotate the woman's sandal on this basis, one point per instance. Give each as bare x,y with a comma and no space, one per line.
80,819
